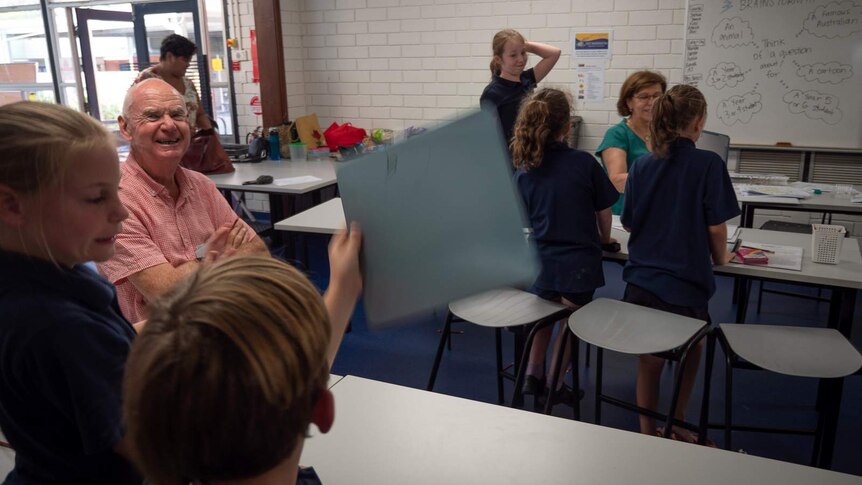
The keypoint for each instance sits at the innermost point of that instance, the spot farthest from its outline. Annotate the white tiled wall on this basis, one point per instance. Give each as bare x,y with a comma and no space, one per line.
396,63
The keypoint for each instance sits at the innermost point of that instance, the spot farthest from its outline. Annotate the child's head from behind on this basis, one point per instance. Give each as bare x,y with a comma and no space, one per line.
544,117
510,55
229,371
681,110
59,178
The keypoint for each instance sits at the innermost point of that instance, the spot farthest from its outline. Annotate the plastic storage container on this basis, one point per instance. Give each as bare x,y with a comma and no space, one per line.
826,241
318,154
297,152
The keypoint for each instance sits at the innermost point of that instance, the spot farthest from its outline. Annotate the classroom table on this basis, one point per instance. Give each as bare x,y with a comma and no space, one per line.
824,203
324,170
325,218
333,380
385,433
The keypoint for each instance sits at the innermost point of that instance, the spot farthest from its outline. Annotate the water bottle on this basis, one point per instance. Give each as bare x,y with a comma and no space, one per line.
274,146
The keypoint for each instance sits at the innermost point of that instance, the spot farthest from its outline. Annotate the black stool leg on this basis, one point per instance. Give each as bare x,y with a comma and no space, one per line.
760,297
499,344
728,397
447,328
576,376
587,355
707,386
599,363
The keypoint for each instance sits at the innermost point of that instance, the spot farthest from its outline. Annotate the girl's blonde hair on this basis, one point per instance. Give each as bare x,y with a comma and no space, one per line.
499,44
543,117
38,141
223,380
673,112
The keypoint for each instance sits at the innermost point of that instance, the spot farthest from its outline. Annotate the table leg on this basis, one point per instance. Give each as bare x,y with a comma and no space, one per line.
746,219
829,391
742,293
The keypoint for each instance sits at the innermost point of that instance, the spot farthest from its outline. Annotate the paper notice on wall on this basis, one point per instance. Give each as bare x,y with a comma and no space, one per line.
591,45
590,81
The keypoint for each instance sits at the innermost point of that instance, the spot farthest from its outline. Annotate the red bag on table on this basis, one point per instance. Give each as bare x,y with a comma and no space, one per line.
343,135
206,155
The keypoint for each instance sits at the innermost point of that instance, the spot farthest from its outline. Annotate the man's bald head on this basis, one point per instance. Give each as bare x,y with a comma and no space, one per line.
153,85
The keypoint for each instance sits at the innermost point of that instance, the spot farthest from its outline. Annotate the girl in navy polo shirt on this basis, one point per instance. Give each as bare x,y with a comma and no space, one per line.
677,201
63,341
568,198
510,83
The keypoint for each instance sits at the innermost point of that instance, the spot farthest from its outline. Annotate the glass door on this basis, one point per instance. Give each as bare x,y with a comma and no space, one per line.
155,21
109,60
210,70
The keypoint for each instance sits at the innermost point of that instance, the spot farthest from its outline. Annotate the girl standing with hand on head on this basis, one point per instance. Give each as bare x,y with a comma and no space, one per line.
677,202
568,198
510,82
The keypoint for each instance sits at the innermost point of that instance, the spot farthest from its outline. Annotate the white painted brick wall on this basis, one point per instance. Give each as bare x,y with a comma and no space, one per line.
396,63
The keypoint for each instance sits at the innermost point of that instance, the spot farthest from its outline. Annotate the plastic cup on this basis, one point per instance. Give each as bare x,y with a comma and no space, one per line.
297,152
843,191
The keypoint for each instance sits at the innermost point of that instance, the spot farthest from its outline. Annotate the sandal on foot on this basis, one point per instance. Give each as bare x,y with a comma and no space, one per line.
686,436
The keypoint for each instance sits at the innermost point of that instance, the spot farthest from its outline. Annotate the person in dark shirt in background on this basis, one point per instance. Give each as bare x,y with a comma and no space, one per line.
568,198
510,82
677,202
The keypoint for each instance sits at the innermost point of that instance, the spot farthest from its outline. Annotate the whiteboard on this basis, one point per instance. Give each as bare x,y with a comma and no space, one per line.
778,70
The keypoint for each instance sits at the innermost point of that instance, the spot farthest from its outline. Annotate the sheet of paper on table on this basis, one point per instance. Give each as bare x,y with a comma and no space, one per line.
781,257
771,191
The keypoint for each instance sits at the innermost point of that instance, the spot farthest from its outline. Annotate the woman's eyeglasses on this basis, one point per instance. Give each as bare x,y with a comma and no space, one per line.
647,97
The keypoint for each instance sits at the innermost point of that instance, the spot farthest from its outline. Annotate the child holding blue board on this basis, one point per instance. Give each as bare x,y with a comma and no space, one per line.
677,202
568,198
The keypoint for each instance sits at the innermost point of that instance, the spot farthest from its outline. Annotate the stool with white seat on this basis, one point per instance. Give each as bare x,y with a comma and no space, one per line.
502,308
821,353
634,329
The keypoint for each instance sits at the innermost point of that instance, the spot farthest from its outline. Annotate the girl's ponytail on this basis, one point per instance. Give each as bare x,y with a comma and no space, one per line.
672,113
543,117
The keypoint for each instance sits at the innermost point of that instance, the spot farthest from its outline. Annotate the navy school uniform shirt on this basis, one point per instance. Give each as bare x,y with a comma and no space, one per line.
562,197
669,205
505,97
63,347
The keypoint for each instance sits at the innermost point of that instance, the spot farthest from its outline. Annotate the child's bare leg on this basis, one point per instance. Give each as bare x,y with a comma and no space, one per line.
689,376
552,368
649,376
536,361
561,329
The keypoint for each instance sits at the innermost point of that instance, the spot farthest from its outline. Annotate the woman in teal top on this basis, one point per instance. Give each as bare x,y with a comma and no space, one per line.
630,139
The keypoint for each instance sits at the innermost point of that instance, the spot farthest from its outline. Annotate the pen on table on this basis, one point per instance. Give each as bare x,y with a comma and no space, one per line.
759,249
736,245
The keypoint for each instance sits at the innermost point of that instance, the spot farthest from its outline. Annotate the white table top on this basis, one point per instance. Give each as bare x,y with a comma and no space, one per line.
278,169
326,218
825,202
384,433
333,380
846,274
